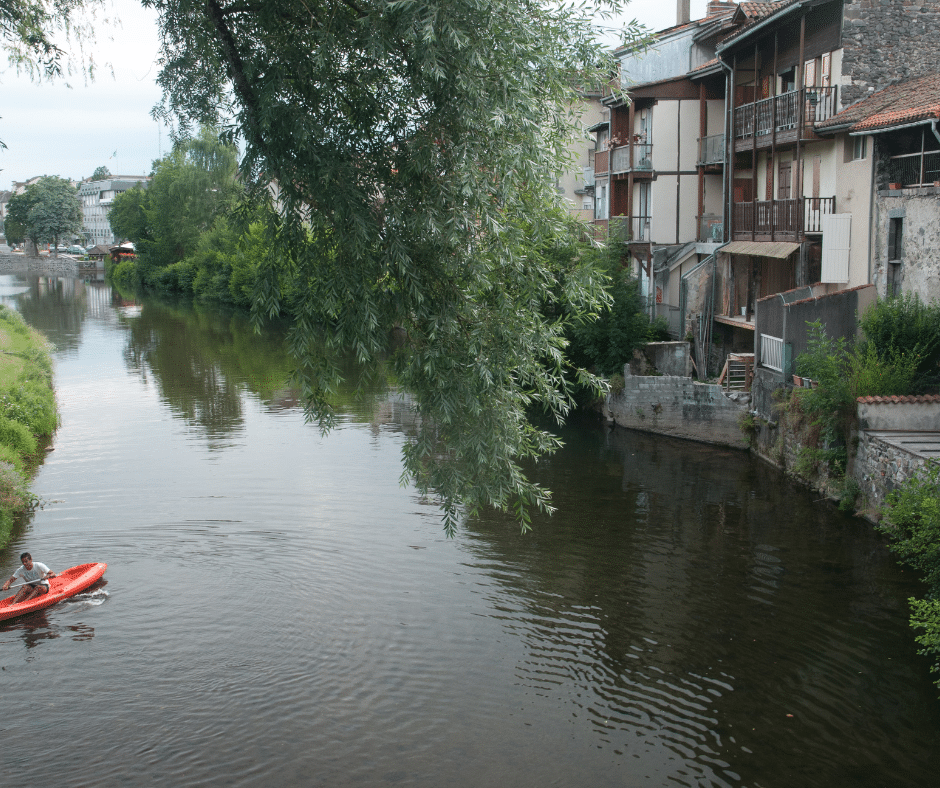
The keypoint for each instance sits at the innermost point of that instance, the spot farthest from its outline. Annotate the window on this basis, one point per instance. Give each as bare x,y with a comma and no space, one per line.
859,148
895,239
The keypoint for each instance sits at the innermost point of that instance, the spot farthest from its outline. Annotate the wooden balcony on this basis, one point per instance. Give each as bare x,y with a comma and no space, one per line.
780,220
783,119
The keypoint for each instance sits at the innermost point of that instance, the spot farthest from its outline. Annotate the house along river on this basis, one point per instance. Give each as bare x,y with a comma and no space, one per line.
279,611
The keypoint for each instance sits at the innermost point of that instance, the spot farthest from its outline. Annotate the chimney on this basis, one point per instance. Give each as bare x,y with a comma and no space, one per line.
683,14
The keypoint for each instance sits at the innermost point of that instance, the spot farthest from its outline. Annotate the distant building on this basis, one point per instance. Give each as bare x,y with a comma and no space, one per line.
96,197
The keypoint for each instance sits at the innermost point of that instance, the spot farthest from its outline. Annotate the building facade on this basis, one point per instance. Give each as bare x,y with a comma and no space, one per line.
96,197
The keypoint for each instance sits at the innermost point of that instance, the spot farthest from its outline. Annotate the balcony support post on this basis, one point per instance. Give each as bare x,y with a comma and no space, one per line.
801,104
754,148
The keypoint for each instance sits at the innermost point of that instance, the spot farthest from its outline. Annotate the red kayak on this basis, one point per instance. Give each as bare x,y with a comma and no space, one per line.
65,584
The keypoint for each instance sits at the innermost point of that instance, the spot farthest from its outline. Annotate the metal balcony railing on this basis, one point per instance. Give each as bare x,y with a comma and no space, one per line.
711,150
635,229
642,158
915,169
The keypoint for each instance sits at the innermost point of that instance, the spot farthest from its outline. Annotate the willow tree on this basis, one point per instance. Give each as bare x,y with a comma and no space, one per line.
408,151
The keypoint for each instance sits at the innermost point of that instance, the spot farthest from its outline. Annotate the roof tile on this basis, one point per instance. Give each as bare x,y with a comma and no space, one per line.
907,101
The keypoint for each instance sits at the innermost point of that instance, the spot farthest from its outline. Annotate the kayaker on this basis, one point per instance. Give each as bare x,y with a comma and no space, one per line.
34,574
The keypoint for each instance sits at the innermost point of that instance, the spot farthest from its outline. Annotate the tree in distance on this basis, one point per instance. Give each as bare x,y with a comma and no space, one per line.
101,173
47,211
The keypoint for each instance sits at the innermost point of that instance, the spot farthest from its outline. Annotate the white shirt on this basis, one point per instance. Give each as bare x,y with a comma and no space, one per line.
32,575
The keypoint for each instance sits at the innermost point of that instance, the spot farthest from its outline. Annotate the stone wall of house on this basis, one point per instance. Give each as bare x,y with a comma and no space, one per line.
919,269
678,406
880,467
886,40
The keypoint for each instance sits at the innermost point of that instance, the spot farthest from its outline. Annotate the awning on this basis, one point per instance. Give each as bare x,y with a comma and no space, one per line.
781,249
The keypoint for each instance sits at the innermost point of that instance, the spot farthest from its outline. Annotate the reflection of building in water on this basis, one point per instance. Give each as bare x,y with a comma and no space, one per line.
395,408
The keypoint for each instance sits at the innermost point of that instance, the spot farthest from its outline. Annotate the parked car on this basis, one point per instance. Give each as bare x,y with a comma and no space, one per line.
75,250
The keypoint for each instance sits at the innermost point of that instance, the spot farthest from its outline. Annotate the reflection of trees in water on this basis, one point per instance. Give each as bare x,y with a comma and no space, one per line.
56,306
204,360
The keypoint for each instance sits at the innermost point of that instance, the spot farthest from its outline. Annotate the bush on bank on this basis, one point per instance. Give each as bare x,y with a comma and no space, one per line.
28,413
912,523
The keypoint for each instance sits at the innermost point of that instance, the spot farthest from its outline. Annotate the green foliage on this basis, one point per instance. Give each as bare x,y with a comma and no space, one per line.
905,325
128,216
749,424
101,173
912,522
17,436
32,32
412,147
604,341
16,223
27,412
848,499
48,211
845,372
925,614
191,186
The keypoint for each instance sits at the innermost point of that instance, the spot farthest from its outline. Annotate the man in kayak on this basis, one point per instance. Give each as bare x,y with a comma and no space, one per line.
35,575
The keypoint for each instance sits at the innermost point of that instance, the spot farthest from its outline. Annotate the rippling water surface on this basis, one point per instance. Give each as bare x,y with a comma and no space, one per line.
278,610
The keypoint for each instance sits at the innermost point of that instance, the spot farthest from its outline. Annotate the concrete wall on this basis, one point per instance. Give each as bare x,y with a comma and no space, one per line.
679,407
899,413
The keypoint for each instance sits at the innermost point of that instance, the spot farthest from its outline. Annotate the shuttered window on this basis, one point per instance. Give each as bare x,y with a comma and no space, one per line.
836,231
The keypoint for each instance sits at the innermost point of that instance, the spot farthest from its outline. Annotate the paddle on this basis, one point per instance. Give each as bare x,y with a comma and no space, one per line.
27,583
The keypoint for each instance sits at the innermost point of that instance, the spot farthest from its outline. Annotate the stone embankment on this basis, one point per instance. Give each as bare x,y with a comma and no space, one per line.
669,402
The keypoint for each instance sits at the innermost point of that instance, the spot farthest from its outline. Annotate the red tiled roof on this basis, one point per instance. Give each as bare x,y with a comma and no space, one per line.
758,10
900,400
710,64
905,102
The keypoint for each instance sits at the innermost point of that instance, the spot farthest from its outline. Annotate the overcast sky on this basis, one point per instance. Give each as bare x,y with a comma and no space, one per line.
52,129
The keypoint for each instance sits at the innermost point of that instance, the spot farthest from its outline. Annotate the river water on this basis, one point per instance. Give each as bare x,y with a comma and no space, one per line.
279,610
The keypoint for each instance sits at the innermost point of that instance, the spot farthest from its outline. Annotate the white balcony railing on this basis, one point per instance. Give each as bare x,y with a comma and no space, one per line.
771,352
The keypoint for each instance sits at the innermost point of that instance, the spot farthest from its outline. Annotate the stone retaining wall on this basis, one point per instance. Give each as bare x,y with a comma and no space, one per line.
679,407
881,467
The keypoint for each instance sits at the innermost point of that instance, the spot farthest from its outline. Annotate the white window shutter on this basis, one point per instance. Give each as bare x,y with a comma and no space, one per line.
836,237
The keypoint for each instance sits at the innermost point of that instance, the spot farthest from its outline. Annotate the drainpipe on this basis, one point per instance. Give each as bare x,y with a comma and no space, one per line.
933,128
729,152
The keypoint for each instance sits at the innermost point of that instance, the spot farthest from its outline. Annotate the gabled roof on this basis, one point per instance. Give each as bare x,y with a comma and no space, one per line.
757,13
908,101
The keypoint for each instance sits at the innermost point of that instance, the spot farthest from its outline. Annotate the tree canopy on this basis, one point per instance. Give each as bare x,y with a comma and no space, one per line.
413,147
189,188
101,173
47,211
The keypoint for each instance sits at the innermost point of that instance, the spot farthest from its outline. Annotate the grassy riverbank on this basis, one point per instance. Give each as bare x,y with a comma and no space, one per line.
28,414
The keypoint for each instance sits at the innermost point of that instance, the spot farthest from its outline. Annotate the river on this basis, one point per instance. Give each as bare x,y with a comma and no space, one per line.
279,610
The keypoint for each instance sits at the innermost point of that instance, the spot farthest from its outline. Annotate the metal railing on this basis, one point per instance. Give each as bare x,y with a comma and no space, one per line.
915,169
710,228
642,158
795,109
635,229
771,352
711,150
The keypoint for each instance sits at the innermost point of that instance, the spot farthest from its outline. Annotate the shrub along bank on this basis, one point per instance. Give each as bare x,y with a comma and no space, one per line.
28,414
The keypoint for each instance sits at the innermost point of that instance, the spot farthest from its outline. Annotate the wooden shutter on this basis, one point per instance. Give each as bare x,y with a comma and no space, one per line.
825,77
836,233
